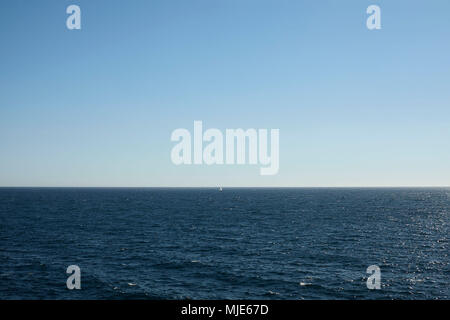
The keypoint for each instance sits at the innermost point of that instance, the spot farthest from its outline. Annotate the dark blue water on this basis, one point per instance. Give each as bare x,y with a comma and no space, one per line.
239,243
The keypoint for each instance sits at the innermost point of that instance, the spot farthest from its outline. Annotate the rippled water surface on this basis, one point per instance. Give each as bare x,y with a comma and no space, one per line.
238,243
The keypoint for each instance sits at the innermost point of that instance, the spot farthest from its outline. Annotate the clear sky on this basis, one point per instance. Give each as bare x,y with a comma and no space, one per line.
96,106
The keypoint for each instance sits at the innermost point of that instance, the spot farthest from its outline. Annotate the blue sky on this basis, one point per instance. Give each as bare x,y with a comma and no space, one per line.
96,106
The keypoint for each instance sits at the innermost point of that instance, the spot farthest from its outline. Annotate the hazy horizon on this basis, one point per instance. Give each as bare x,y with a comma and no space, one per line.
230,187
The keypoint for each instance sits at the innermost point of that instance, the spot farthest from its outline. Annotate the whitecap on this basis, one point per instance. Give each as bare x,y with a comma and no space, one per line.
305,283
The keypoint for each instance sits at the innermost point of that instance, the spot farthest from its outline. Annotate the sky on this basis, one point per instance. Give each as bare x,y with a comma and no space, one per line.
97,106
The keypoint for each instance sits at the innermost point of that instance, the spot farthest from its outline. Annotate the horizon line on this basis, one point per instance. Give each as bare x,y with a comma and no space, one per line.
228,187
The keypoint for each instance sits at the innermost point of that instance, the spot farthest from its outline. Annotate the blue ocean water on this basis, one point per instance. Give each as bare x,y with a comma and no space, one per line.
236,244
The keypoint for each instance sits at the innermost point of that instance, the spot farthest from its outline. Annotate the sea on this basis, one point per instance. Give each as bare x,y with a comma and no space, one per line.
238,243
